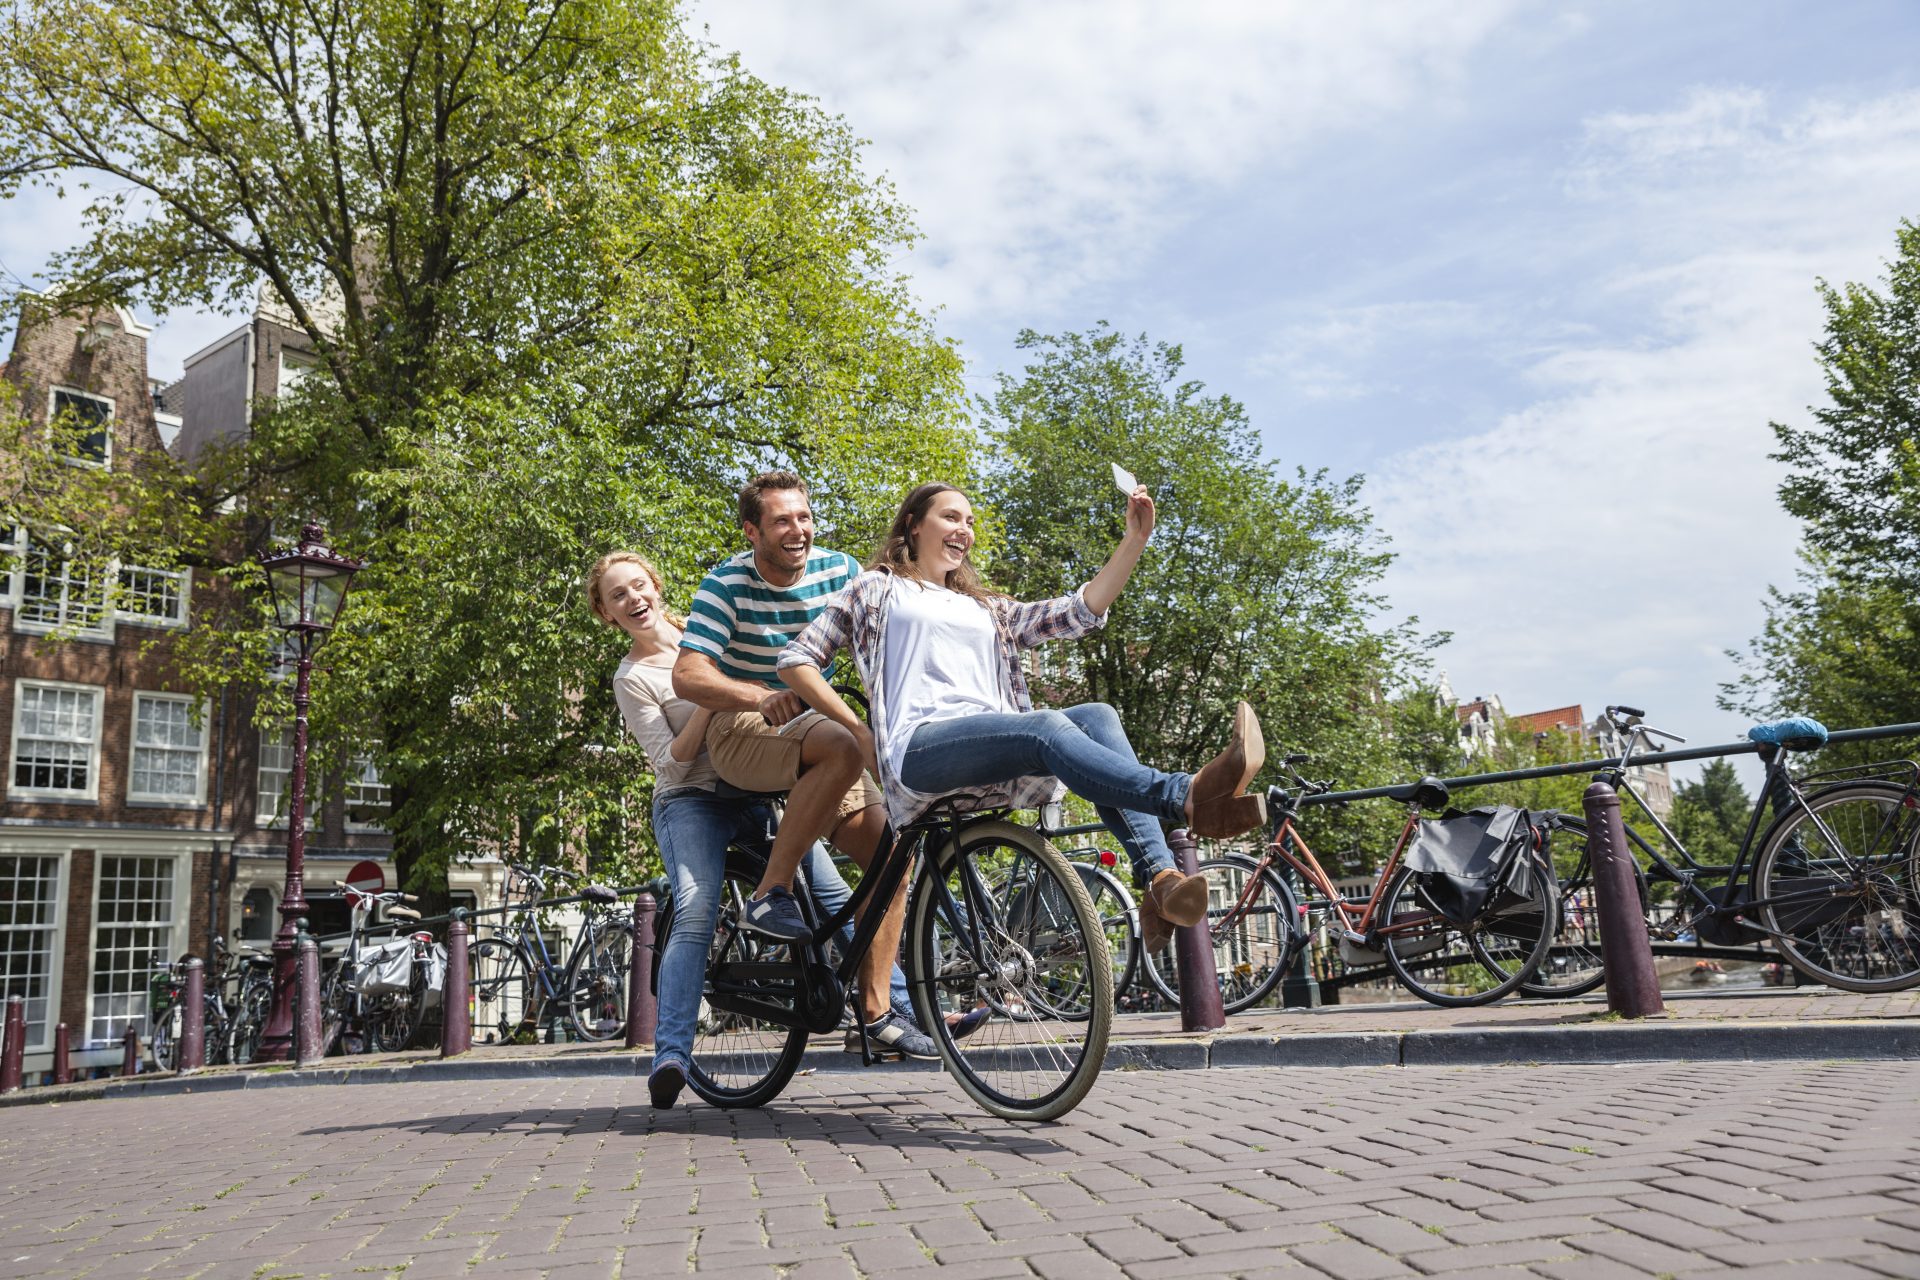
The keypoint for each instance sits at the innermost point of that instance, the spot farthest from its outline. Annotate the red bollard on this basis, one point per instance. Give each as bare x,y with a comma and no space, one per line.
1633,988
193,1019
643,1011
456,1002
62,1057
1200,1007
130,1054
14,1047
307,1045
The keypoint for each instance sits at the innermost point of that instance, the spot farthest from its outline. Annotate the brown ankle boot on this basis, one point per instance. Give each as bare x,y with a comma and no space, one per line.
1220,809
1172,900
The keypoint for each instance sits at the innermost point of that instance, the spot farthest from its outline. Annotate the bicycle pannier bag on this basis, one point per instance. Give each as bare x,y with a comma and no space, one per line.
386,968
436,967
1476,863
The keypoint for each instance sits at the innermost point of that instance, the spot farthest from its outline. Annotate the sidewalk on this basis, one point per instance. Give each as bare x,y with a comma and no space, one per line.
1745,1025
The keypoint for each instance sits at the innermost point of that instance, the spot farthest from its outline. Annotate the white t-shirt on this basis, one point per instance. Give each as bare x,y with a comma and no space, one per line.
654,716
941,663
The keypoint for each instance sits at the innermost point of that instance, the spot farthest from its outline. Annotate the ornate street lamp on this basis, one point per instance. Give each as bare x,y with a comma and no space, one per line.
308,584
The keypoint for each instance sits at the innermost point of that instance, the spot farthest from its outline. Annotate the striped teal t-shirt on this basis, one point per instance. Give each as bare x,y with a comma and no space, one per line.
742,621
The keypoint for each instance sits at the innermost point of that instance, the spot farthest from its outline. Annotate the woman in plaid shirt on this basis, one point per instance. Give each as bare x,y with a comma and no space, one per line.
950,712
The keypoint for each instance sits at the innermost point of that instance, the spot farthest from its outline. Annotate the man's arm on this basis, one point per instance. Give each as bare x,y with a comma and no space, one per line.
697,678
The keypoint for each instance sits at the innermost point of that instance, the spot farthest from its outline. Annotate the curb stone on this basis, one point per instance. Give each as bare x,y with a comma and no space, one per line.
1614,1043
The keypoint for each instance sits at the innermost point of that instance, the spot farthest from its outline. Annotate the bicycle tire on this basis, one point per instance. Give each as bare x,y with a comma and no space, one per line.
501,990
1120,920
165,1045
1475,965
423,1028
738,1061
1574,965
243,1037
1853,851
1251,948
1041,966
596,983
336,1009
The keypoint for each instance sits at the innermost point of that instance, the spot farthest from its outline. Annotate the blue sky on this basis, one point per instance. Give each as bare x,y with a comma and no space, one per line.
1543,272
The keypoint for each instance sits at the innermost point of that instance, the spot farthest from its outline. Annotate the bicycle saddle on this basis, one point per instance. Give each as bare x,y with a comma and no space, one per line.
402,913
1795,733
600,895
1428,793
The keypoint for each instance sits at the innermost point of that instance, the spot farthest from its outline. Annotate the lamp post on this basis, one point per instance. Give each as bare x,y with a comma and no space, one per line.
308,585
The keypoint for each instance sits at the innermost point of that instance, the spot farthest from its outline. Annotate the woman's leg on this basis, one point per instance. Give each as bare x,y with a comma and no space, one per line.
952,755
1137,832
693,829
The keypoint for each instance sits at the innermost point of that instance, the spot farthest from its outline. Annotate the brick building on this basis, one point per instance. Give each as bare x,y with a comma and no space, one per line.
140,819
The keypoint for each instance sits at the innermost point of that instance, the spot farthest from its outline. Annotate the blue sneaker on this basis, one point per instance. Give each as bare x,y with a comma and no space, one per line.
776,916
896,1034
962,1027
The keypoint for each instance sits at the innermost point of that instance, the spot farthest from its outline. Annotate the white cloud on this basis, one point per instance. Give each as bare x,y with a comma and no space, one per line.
1619,531
1045,147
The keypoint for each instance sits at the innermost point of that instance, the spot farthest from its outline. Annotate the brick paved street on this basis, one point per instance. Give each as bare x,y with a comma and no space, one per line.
1582,1172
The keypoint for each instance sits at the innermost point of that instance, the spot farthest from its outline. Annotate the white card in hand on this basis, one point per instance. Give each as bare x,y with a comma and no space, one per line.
1124,478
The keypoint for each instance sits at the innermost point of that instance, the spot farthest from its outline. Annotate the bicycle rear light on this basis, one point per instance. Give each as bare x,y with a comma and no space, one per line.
1108,858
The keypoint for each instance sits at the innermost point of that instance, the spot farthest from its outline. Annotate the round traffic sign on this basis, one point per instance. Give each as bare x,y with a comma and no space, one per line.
366,877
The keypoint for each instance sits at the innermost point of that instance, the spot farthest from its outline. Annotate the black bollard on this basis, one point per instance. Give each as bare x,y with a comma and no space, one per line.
130,1054
1200,1007
1633,988
642,1010
193,1018
13,1048
62,1055
309,1045
456,1003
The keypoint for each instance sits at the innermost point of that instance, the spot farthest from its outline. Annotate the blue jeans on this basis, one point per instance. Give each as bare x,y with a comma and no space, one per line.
1083,746
694,829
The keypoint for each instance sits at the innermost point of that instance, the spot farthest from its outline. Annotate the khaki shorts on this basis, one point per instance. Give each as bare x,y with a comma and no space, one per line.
753,755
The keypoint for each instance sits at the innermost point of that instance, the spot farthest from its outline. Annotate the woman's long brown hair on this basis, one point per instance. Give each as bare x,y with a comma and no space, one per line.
896,552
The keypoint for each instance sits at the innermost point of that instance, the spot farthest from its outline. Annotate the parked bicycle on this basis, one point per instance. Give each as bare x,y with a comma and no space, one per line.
518,982
167,1016
250,973
1257,924
1830,882
376,996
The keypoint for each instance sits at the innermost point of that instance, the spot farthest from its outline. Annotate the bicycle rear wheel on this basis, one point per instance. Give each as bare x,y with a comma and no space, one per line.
501,990
739,1060
1119,919
1573,965
1000,919
597,983
1251,948
1839,885
1457,966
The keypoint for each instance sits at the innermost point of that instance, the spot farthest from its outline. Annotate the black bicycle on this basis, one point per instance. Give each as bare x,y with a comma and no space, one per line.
520,984
1834,880
996,918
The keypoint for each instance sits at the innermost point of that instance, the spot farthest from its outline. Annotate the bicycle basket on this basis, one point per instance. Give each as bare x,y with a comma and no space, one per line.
385,968
1475,863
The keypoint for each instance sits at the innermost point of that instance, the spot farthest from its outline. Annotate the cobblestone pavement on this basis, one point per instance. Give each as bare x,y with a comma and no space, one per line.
1584,1172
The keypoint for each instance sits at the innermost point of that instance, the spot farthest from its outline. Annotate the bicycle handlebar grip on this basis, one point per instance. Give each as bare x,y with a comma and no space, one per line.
1626,711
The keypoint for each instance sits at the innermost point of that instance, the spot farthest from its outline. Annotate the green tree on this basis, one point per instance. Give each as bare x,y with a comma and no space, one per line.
1710,814
570,277
1258,584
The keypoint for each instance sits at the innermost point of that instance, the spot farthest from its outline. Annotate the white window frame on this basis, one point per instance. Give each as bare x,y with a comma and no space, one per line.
57,939
176,925
302,366
113,416
362,773
200,710
46,795
23,543
264,816
177,620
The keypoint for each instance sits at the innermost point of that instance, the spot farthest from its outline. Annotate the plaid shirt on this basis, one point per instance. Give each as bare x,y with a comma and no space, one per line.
856,619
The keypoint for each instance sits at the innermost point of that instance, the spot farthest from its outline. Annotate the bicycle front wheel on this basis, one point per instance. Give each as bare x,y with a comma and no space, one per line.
739,1060
597,984
1457,966
1835,883
999,919
1252,945
1573,964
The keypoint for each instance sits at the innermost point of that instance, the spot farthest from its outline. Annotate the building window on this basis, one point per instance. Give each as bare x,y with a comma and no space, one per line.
256,915
153,597
56,742
88,423
275,776
169,755
132,937
58,590
29,889
366,795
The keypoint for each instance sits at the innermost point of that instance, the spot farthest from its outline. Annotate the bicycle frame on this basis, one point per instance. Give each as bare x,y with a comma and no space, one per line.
1358,920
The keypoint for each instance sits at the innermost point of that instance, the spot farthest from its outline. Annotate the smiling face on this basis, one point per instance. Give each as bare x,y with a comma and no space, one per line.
630,600
783,537
942,538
